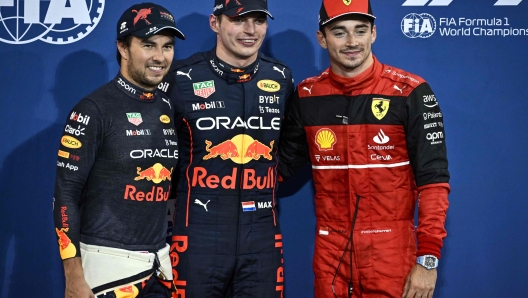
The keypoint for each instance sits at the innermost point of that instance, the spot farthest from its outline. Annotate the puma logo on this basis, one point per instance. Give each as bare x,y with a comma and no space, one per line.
165,100
181,73
196,201
309,90
281,71
397,88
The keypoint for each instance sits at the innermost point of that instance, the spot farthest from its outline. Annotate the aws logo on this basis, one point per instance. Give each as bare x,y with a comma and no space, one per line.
54,21
241,149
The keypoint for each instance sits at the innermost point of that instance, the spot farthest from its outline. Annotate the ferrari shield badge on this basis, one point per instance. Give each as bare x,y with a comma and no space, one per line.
380,107
347,2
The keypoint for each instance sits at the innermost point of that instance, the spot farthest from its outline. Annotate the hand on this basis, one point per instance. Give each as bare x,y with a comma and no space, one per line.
76,285
420,283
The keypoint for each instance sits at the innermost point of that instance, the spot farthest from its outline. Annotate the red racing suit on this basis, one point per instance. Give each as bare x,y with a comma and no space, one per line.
375,142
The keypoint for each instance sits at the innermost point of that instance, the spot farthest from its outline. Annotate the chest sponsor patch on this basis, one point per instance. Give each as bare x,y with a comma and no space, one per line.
134,118
325,139
204,89
380,107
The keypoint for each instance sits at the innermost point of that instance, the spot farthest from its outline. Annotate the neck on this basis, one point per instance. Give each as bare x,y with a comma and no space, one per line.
348,72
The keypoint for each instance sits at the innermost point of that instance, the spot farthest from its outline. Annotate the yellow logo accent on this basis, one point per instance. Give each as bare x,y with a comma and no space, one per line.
268,85
64,154
347,2
127,292
71,142
66,248
165,119
325,139
380,107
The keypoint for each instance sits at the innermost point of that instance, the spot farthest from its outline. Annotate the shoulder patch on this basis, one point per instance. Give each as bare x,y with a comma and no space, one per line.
401,76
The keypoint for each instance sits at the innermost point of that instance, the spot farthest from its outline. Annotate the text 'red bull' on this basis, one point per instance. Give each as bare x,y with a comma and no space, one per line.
250,180
157,194
179,245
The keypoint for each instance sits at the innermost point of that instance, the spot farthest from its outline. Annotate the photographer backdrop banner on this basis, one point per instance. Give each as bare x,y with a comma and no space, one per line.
473,54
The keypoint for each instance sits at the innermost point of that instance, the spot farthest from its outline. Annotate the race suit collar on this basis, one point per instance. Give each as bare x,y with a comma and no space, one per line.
231,73
364,80
132,90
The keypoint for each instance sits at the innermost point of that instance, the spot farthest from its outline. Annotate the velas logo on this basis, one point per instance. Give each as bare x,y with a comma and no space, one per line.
268,85
416,25
70,142
66,248
126,292
325,138
142,14
447,2
165,119
134,118
157,173
241,149
204,89
54,21
380,107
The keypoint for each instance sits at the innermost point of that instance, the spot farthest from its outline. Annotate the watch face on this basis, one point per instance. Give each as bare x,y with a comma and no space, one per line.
429,262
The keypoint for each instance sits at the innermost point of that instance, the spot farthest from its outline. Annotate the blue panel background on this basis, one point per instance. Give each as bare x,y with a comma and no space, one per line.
479,81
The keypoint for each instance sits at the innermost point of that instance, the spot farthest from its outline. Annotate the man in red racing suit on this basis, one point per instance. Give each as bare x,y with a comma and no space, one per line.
375,138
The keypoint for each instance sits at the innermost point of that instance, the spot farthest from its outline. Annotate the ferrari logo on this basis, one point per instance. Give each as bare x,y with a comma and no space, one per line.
380,107
347,2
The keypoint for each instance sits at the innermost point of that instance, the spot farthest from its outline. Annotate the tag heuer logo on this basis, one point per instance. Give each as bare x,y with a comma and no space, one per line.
204,89
134,118
380,107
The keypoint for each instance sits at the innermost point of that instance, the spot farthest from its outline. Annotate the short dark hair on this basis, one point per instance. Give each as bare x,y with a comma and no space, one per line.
127,41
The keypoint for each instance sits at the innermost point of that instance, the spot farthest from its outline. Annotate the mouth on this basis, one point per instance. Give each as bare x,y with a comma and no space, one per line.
248,42
351,52
156,68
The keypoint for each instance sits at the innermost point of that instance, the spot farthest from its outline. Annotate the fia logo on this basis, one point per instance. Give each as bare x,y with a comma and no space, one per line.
447,2
54,21
418,25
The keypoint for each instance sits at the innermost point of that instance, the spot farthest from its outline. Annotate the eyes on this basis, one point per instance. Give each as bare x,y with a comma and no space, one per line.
257,21
342,33
153,46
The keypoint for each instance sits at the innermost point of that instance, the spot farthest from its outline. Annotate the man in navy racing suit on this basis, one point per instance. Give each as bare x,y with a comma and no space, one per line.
226,237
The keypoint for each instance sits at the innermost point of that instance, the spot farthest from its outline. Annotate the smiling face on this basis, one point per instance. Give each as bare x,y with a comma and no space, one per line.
349,42
239,38
146,61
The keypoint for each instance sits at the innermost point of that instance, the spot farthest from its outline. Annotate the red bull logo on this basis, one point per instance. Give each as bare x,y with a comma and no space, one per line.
157,173
241,149
179,245
142,14
249,179
127,292
66,248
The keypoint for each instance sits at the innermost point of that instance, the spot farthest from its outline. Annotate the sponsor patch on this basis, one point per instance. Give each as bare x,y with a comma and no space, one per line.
325,139
134,118
248,206
268,85
165,119
70,142
380,107
204,89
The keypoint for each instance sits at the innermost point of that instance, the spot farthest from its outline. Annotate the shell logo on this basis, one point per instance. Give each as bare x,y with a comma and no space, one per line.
165,119
70,142
268,85
325,139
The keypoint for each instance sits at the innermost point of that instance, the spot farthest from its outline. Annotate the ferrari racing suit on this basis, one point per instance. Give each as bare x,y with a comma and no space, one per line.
375,141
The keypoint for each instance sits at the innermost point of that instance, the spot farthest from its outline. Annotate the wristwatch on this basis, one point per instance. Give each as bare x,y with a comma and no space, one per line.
428,261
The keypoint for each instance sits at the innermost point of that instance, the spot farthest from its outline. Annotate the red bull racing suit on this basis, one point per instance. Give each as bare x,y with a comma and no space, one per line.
116,158
226,236
375,142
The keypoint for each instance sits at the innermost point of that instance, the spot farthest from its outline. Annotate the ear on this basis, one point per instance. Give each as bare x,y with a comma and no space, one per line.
321,39
123,50
373,33
213,23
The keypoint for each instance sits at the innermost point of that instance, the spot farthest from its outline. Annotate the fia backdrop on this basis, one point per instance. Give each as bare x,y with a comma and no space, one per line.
473,54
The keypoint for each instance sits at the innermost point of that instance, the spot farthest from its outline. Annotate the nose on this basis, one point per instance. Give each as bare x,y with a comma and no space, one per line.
351,40
249,27
158,54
